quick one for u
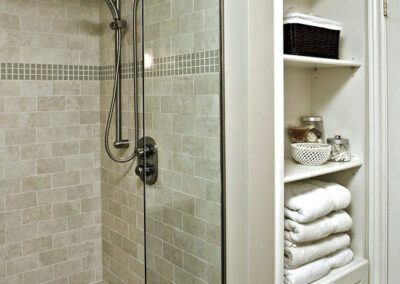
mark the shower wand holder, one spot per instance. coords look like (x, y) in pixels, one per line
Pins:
(122, 144)
(118, 25)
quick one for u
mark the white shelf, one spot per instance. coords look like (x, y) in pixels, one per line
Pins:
(354, 267)
(315, 62)
(295, 171)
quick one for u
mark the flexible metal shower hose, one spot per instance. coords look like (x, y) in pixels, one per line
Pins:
(115, 87)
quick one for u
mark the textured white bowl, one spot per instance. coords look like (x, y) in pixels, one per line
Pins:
(311, 154)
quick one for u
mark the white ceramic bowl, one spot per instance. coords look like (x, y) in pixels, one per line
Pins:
(311, 154)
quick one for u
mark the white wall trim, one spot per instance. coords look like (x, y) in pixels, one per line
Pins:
(252, 73)
(378, 189)
(279, 119)
(261, 94)
(236, 141)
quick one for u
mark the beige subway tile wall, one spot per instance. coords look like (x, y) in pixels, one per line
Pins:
(184, 206)
(182, 113)
(68, 214)
(50, 220)
(122, 191)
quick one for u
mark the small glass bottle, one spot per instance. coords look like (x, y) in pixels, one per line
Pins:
(340, 149)
(316, 133)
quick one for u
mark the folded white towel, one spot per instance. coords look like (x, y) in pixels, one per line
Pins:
(297, 255)
(317, 269)
(340, 195)
(335, 222)
(308, 201)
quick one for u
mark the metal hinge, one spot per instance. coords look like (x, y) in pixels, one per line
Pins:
(385, 8)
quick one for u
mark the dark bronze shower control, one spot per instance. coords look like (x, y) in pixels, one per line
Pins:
(146, 170)
(148, 150)
(147, 156)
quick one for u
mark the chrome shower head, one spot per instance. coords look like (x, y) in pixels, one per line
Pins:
(113, 9)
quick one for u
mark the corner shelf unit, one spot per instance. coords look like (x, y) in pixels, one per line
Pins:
(296, 172)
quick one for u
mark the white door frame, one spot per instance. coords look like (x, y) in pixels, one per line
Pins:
(378, 189)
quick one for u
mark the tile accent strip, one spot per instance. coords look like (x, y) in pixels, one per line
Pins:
(31, 71)
(183, 64)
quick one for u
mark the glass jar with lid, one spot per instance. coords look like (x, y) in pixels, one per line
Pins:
(316, 125)
(340, 149)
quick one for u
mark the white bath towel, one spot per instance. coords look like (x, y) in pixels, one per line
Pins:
(297, 255)
(308, 201)
(340, 195)
(335, 222)
(317, 269)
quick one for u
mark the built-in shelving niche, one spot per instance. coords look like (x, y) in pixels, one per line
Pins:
(335, 90)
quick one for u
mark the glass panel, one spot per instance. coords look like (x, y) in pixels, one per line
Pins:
(122, 190)
(180, 89)
(182, 106)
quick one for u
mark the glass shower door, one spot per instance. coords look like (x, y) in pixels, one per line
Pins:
(182, 103)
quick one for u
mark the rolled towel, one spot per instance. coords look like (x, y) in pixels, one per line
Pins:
(297, 255)
(308, 201)
(335, 222)
(315, 270)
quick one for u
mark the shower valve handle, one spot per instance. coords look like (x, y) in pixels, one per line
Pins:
(147, 150)
(146, 170)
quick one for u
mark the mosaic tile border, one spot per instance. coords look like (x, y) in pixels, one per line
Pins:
(31, 71)
(183, 64)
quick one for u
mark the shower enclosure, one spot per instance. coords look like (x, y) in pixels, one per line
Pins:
(161, 217)
(111, 142)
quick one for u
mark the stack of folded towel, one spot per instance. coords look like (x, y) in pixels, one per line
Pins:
(315, 226)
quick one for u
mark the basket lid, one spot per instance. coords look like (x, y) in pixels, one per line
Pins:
(299, 18)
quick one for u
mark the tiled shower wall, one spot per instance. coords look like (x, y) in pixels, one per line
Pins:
(51, 128)
(182, 107)
(50, 221)
(122, 197)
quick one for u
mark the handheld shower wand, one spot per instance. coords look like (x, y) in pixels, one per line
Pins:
(145, 148)
(113, 9)
(120, 143)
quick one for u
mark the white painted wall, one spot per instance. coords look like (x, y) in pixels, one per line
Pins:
(250, 141)
(393, 49)
(236, 135)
